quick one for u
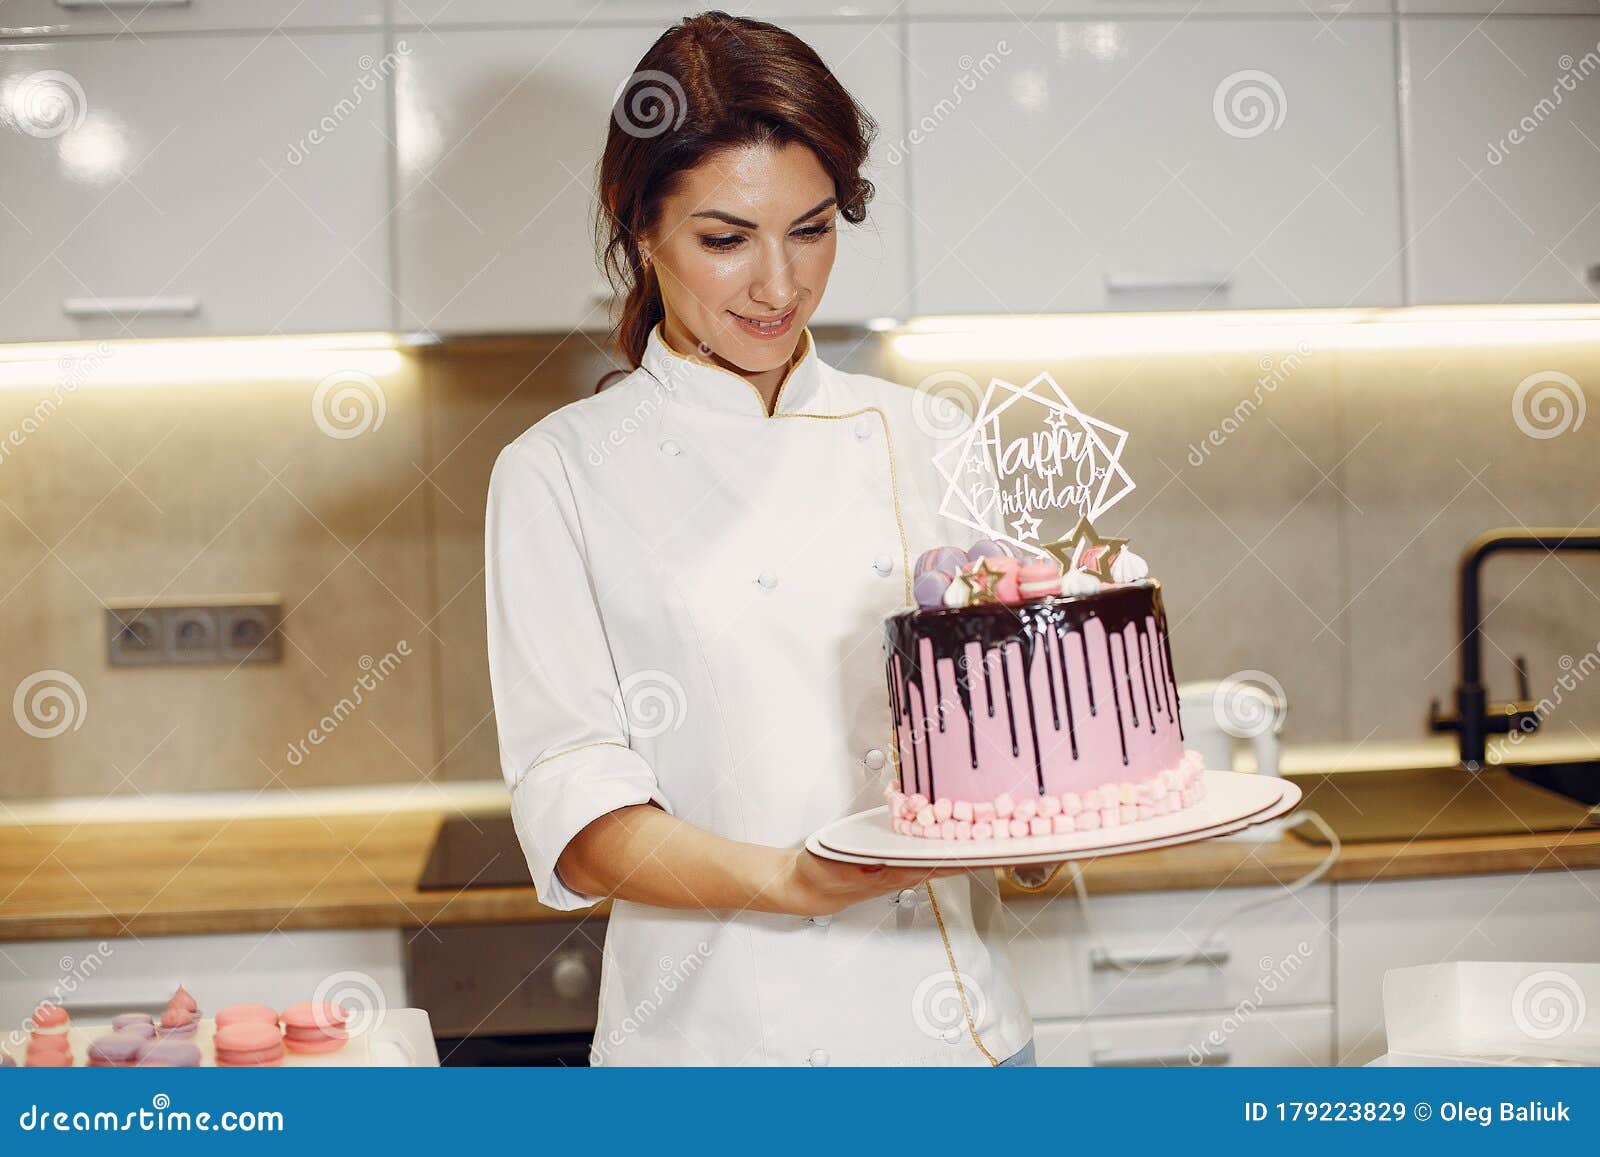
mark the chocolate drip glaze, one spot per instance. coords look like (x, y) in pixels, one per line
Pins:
(995, 627)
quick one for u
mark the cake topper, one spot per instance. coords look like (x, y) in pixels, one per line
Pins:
(1030, 461)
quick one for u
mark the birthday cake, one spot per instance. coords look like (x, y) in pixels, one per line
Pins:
(1034, 697)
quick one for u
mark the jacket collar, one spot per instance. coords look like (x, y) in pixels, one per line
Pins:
(696, 382)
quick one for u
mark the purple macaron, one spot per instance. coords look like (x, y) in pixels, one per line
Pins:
(123, 1019)
(118, 1050)
(170, 1054)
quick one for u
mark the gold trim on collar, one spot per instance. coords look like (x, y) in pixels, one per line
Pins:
(777, 399)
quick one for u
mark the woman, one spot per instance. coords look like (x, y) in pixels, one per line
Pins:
(687, 579)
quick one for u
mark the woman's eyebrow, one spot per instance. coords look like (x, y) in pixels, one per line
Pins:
(719, 215)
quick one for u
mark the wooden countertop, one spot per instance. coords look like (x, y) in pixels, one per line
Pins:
(359, 871)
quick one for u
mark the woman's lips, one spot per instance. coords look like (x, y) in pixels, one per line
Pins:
(775, 327)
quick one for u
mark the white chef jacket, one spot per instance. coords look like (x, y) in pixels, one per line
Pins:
(685, 605)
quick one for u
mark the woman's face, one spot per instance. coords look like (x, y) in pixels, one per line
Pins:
(743, 252)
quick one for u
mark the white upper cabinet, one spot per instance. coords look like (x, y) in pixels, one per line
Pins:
(70, 17)
(1503, 156)
(500, 134)
(178, 186)
(1150, 164)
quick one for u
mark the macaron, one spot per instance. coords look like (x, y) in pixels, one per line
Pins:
(6, 1061)
(39, 1043)
(116, 1050)
(168, 1054)
(50, 1019)
(247, 1014)
(315, 1027)
(138, 1030)
(930, 586)
(49, 1059)
(248, 1043)
(946, 558)
(1039, 579)
(123, 1019)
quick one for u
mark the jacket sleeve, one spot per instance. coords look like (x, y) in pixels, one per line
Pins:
(563, 740)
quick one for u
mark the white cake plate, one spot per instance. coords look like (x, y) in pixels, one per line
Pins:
(1233, 800)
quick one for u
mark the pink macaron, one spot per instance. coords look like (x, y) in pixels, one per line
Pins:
(315, 1027)
(50, 1020)
(247, 1014)
(248, 1043)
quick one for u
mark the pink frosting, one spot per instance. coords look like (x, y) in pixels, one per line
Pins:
(1112, 804)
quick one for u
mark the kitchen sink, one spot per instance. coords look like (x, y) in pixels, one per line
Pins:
(1439, 802)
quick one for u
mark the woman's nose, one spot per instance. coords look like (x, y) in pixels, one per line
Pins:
(775, 286)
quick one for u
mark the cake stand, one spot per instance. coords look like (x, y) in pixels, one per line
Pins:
(1233, 800)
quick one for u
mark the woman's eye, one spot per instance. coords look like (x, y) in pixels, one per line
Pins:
(719, 243)
(812, 232)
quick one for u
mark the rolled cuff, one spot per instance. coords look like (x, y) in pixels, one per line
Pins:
(561, 795)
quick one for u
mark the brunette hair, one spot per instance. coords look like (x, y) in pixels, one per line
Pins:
(713, 82)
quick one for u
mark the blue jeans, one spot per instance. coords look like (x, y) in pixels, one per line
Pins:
(1022, 1058)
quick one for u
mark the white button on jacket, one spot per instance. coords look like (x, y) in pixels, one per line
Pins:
(638, 652)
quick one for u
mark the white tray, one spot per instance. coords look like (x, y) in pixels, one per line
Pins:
(1233, 800)
(402, 1038)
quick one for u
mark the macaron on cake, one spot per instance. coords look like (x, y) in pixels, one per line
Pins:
(167, 1054)
(248, 1044)
(123, 1019)
(315, 1027)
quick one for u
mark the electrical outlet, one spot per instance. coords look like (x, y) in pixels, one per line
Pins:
(135, 637)
(233, 631)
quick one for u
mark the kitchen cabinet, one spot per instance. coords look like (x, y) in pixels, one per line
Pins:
(1503, 158)
(246, 192)
(96, 979)
(1117, 9)
(1292, 1037)
(1155, 163)
(1278, 954)
(500, 134)
(1382, 924)
(140, 17)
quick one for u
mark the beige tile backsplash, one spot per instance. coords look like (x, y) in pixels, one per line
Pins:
(1316, 542)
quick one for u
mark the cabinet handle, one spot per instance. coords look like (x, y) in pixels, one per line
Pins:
(114, 306)
(1101, 960)
(140, 4)
(1128, 1058)
(1593, 273)
(1144, 283)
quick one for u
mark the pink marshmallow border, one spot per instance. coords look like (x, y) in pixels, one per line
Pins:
(1005, 817)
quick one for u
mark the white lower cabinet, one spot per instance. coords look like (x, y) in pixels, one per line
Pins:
(96, 979)
(1290, 1036)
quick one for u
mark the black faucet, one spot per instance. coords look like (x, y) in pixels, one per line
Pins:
(1475, 717)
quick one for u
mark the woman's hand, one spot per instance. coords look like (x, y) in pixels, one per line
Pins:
(814, 886)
